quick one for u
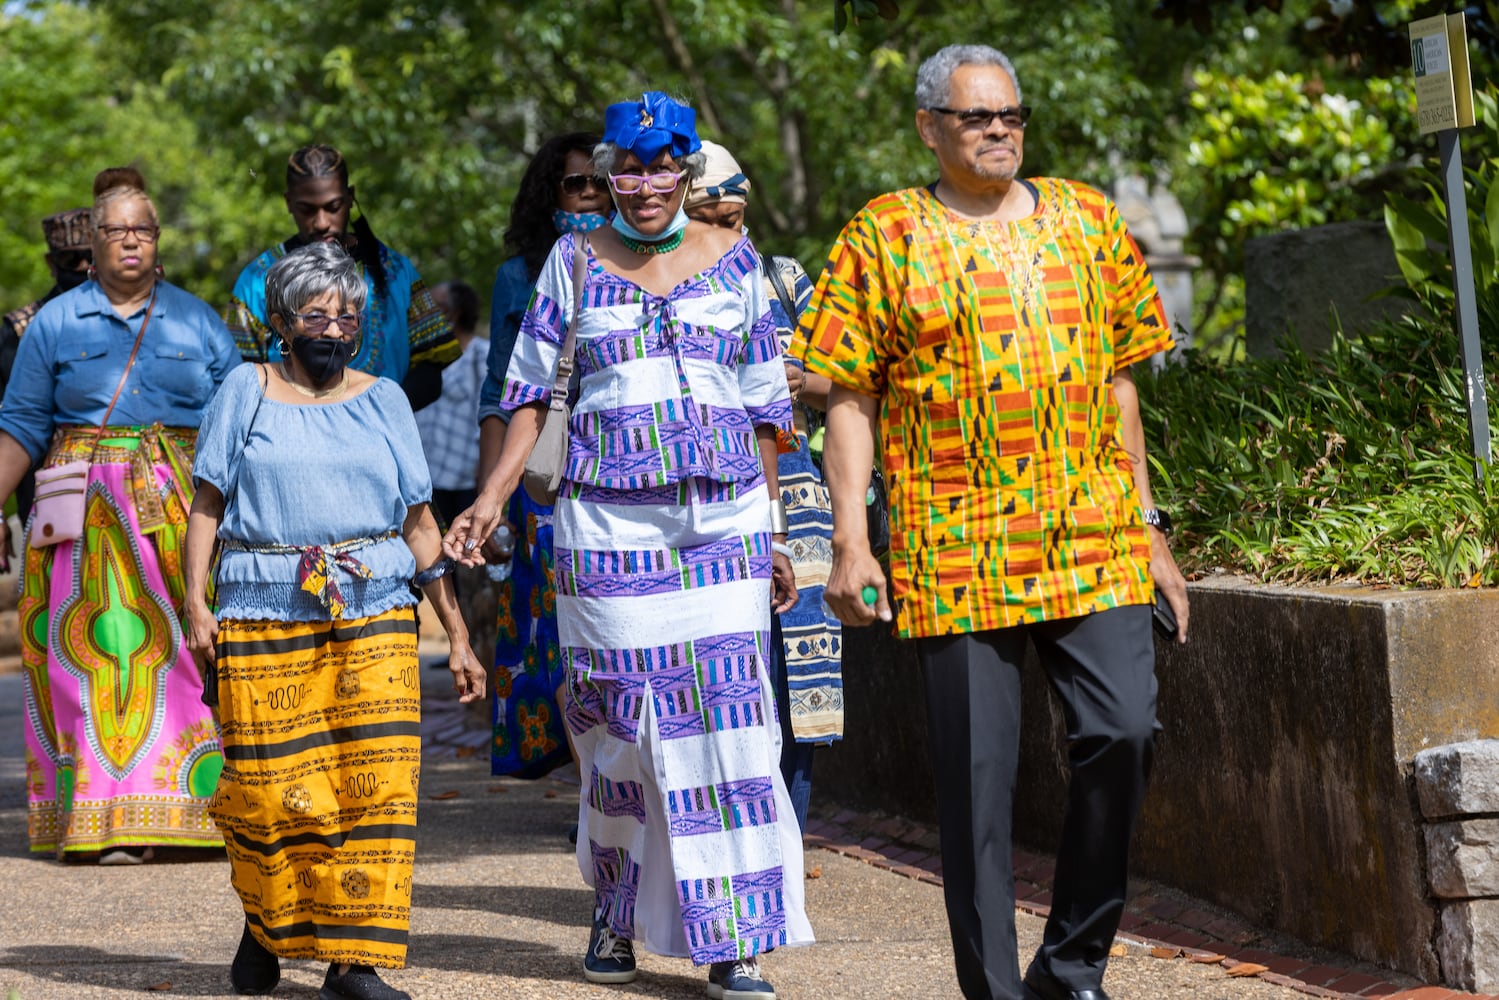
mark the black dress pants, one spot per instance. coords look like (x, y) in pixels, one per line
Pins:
(1102, 667)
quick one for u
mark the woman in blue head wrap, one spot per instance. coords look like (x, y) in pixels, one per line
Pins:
(669, 538)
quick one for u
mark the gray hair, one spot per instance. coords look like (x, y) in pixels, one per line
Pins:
(934, 78)
(607, 154)
(311, 272)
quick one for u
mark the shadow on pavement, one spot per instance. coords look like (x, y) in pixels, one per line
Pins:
(81, 966)
(515, 900)
(528, 960)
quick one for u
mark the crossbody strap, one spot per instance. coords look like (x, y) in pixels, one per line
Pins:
(768, 265)
(129, 364)
(570, 342)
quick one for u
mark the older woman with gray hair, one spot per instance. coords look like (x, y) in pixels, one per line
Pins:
(313, 480)
(670, 554)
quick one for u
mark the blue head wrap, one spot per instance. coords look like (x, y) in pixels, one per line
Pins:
(651, 124)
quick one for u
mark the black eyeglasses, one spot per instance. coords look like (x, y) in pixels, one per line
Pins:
(979, 118)
(316, 323)
(578, 183)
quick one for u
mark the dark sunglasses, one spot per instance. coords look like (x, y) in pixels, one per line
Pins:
(72, 260)
(977, 118)
(578, 183)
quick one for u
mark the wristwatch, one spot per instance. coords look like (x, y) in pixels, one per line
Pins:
(1158, 519)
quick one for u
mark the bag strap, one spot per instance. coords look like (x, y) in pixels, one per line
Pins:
(570, 342)
(129, 364)
(768, 265)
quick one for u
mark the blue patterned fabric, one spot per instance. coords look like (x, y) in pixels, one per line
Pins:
(529, 731)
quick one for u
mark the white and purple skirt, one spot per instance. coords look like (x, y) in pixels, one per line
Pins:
(686, 832)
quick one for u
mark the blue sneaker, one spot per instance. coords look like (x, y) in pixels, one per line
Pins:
(610, 959)
(739, 980)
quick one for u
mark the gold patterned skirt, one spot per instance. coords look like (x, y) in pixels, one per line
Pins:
(317, 802)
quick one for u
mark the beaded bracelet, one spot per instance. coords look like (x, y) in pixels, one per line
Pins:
(433, 573)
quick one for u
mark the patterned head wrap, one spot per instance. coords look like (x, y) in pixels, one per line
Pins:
(651, 124)
(722, 180)
(67, 230)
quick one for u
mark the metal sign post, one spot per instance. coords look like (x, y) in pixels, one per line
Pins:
(1444, 103)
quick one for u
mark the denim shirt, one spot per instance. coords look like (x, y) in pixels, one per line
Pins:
(513, 286)
(76, 349)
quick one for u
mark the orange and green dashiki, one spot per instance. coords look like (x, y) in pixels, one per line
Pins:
(992, 347)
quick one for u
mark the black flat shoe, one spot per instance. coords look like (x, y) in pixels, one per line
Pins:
(255, 970)
(1039, 985)
(359, 983)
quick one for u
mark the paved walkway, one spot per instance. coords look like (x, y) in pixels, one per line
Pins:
(500, 910)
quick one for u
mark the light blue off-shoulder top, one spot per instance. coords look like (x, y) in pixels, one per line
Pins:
(311, 474)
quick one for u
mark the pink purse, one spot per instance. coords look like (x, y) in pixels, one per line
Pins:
(57, 514)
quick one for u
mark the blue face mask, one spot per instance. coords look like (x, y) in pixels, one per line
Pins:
(678, 223)
(577, 222)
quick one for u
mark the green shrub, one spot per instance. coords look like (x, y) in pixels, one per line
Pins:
(1351, 465)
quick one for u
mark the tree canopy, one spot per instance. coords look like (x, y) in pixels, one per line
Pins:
(437, 105)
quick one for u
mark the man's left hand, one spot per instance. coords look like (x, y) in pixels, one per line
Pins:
(1169, 579)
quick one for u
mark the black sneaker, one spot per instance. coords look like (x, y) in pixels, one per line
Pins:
(359, 983)
(739, 980)
(254, 970)
(610, 959)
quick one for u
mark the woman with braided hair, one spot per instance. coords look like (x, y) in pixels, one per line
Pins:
(407, 338)
(108, 390)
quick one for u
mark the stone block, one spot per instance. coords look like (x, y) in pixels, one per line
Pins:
(1468, 945)
(1459, 779)
(1307, 282)
(1462, 858)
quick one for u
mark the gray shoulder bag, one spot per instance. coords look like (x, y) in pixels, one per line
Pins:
(548, 460)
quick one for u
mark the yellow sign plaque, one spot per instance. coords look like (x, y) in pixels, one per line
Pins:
(1444, 85)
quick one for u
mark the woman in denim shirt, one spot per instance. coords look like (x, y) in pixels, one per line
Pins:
(121, 754)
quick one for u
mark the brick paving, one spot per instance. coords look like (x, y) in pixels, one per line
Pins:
(1165, 927)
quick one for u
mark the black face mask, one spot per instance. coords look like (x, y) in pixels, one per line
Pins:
(323, 358)
(69, 280)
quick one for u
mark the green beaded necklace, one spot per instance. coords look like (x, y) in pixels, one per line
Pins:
(664, 246)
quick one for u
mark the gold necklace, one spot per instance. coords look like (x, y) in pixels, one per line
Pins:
(332, 393)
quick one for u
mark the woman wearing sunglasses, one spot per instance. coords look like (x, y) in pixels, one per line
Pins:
(558, 194)
(312, 477)
(670, 555)
(108, 390)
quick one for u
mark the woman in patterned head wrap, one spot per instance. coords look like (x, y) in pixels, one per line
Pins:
(666, 563)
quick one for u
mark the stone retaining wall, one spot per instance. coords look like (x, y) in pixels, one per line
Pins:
(1458, 788)
(1283, 785)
